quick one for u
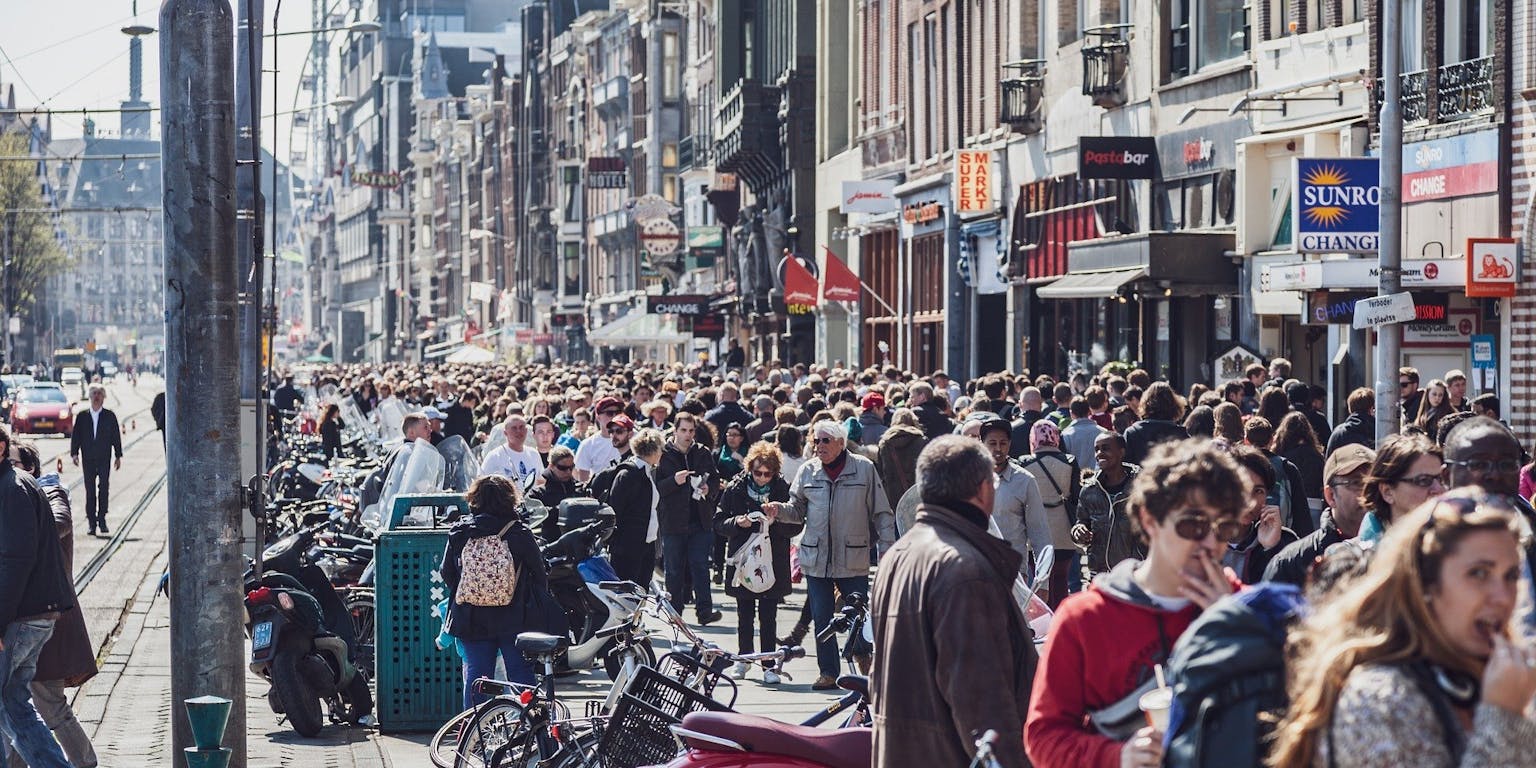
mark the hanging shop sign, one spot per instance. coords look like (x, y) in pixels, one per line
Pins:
(647, 208)
(376, 179)
(1116, 157)
(660, 237)
(1493, 267)
(607, 173)
(1337, 204)
(1338, 307)
(1231, 364)
(973, 181)
(1451, 167)
(869, 197)
(922, 213)
(677, 304)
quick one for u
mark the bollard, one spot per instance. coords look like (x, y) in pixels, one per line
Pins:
(208, 716)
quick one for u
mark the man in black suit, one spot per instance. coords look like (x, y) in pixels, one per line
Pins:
(97, 438)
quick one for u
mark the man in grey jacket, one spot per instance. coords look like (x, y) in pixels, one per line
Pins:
(1017, 499)
(838, 496)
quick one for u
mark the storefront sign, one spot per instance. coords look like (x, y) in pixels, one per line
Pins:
(607, 173)
(709, 326)
(1493, 266)
(1338, 308)
(660, 237)
(1116, 157)
(1455, 333)
(973, 181)
(922, 213)
(1362, 273)
(690, 305)
(1451, 167)
(1199, 152)
(1385, 310)
(869, 197)
(1337, 204)
(705, 238)
(528, 336)
(1483, 351)
(376, 179)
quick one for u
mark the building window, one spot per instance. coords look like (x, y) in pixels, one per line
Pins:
(669, 154)
(669, 187)
(1205, 32)
(671, 67)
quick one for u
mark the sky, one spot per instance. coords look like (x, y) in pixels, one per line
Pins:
(72, 54)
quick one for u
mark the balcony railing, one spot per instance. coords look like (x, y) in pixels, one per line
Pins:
(611, 94)
(1021, 96)
(1106, 54)
(1464, 88)
(694, 151)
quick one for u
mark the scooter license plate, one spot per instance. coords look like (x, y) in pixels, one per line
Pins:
(261, 637)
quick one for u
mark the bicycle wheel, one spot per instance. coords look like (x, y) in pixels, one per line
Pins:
(579, 752)
(444, 744)
(497, 736)
(360, 608)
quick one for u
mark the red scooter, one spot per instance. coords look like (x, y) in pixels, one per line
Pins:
(735, 740)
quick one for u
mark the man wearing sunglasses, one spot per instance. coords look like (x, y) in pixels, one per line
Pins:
(1344, 490)
(599, 451)
(558, 484)
(1481, 451)
(1408, 394)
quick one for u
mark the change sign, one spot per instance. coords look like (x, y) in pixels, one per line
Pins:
(1336, 204)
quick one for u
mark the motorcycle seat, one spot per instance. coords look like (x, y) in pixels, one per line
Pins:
(540, 644)
(858, 683)
(841, 748)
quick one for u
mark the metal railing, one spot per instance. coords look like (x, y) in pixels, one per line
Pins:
(1106, 54)
(1464, 88)
(1022, 94)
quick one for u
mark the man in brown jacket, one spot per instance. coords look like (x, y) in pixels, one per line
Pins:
(954, 656)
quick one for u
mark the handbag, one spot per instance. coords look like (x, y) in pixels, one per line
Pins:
(795, 574)
(754, 564)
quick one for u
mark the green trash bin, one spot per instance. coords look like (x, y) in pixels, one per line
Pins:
(419, 685)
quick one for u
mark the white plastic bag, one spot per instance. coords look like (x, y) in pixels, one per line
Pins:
(754, 564)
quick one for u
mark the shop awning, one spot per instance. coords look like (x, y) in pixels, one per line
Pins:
(1105, 284)
(637, 329)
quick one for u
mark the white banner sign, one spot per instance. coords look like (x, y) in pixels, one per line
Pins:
(869, 197)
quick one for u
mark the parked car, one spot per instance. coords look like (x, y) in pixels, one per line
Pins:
(42, 409)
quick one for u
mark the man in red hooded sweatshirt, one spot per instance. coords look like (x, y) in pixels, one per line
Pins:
(1104, 642)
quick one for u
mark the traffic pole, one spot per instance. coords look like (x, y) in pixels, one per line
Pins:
(202, 362)
(1389, 337)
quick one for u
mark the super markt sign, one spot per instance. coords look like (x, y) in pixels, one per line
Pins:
(1336, 204)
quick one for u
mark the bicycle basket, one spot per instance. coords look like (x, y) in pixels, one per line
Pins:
(685, 666)
(637, 734)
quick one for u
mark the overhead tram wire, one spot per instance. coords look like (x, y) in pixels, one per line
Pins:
(72, 38)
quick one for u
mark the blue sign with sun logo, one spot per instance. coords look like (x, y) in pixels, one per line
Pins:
(1336, 204)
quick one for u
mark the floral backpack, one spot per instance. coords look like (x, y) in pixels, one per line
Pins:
(487, 573)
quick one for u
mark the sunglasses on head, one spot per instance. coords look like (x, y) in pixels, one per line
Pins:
(1197, 527)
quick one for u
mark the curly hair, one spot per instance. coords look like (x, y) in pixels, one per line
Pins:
(1381, 617)
(1180, 469)
(765, 454)
(1161, 402)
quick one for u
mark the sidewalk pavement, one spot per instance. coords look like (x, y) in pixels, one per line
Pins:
(127, 707)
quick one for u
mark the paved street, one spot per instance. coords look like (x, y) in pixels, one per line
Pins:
(127, 708)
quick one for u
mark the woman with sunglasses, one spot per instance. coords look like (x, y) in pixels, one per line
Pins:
(1098, 660)
(741, 514)
(1407, 472)
(1414, 662)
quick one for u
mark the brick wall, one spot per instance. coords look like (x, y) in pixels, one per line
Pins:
(1519, 383)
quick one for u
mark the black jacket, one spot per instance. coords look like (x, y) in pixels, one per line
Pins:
(630, 498)
(1293, 563)
(1019, 446)
(92, 444)
(157, 411)
(550, 494)
(1299, 517)
(724, 414)
(678, 511)
(523, 614)
(933, 420)
(736, 501)
(330, 437)
(1354, 430)
(1318, 421)
(33, 579)
(1309, 463)
(460, 421)
(1146, 433)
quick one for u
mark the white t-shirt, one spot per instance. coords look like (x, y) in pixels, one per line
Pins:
(597, 454)
(518, 465)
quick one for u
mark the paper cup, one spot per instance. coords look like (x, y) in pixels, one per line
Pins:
(1156, 703)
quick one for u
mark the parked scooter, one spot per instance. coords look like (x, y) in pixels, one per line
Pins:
(736, 740)
(578, 570)
(301, 639)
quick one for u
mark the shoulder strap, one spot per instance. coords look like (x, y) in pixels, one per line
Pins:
(507, 527)
(1037, 459)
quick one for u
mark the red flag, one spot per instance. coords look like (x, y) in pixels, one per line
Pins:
(841, 285)
(799, 284)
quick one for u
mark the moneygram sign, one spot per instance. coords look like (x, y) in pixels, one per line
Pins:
(1336, 204)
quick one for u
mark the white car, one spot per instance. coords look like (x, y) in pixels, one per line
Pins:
(108, 371)
(71, 376)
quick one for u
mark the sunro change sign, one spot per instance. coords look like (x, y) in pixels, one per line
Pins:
(1336, 204)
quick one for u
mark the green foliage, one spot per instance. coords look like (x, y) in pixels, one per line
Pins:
(26, 235)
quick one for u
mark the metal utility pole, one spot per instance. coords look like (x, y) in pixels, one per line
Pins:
(5, 296)
(201, 311)
(1389, 337)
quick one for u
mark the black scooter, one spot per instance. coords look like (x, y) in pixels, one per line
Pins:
(302, 639)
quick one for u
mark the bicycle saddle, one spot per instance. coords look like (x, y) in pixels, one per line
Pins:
(842, 748)
(539, 644)
(857, 683)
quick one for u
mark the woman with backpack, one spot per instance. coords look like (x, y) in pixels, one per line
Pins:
(1104, 642)
(1414, 663)
(497, 586)
(734, 523)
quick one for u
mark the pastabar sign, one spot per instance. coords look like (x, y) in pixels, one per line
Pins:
(1336, 204)
(1116, 157)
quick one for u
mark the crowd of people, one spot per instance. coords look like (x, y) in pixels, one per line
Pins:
(1389, 574)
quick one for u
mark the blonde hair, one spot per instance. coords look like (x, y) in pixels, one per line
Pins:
(1381, 617)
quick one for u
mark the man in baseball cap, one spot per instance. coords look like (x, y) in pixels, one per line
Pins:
(872, 419)
(597, 452)
(1344, 490)
(436, 418)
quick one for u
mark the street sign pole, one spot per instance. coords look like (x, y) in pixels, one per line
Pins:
(1390, 243)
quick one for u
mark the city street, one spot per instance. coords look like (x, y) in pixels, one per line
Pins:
(127, 709)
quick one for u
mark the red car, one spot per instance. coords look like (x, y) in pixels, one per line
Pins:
(42, 410)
